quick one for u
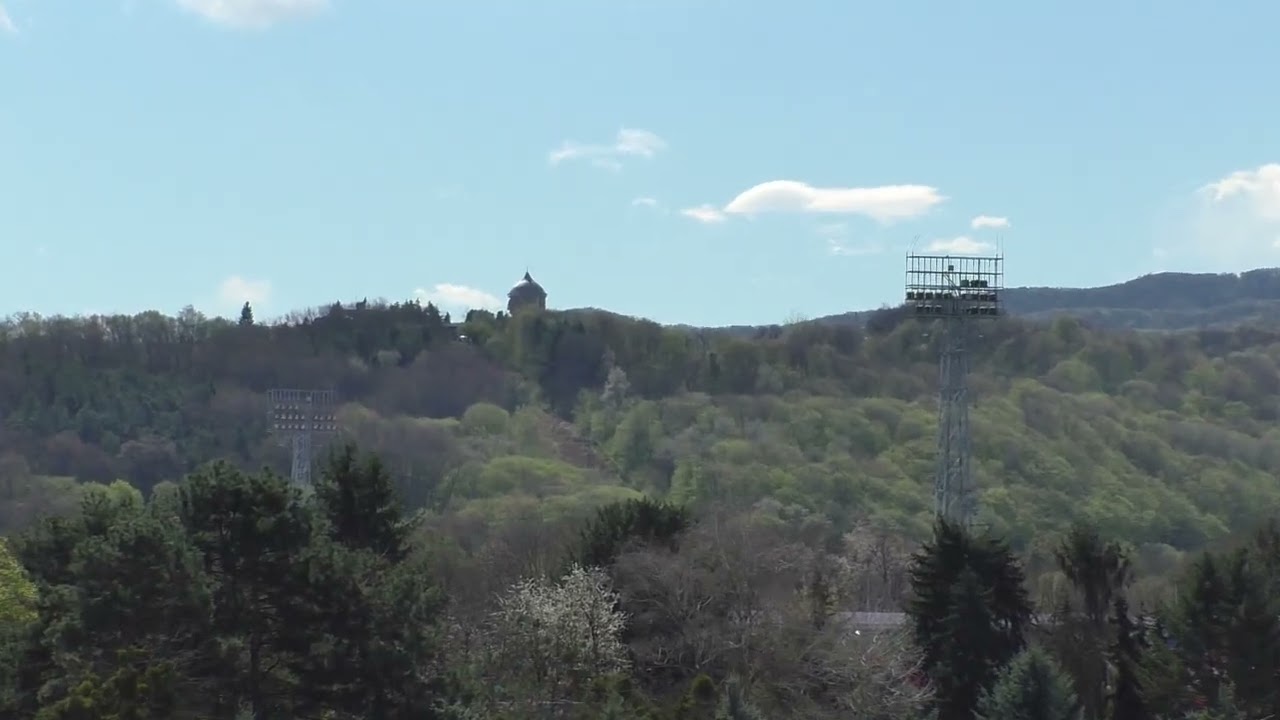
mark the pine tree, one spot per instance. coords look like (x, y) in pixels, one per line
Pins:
(1127, 702)
(1032, 687)
(617, 524)
(358, 498)
(969, 612)
(1166, 685)
(1252, 636)
(1098, 571)
(965, 667)
(246, 315)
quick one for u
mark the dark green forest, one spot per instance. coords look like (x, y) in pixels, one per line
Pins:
(582, 515)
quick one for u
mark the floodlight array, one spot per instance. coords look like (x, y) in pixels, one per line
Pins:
(944, 286)
(303, 411)
(296, 419)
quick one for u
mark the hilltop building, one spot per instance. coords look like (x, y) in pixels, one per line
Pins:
(526, 294)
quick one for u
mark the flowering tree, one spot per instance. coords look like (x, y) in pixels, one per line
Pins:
(553, 639)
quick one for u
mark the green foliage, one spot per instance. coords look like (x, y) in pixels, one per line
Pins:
(1032, 687)
(1230, 627)
(1098, 572)
(17, 594)
(791, 464)
(969, 611)
(618, 524)
(134, 691)
(1128, 701)
(1151, 438)
(226, 597)
(359, 501)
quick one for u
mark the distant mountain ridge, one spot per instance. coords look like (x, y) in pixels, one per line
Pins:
(1159, 301)
(1167, 301)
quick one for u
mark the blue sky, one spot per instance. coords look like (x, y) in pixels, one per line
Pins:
(697, 161)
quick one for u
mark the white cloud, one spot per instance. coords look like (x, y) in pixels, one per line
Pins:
(629, 143)
(1235, 218)
(448, 295)
(6, 22)
(252, 14)
(987, 221)
(644, 202)
(1257, 190)
(886, 203)
(958, 246)
(236, 290)
(845, 249)
(704, 214)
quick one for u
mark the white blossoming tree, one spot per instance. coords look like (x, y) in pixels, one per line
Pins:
(553, 639)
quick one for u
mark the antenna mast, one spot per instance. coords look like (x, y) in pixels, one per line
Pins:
(958, 292)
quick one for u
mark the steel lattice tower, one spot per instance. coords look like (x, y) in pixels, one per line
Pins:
(957, 292)
(299, 417)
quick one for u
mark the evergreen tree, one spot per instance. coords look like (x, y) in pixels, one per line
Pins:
(1252, 636)
(1127, 702)
(1229, 628)
(969, 611)
(1203, 614)
(616, 524)
(1031, 687)
(246, 315)
(358, 498)
(253, 534)
(1165, 681)
(965, 666)
(1098, 571)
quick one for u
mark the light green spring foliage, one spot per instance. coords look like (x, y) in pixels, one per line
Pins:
(17, 594)
(1031, 687)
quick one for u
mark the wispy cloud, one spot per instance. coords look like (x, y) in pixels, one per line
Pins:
(884, 204)
(644, 202)
(253, 14)
(237, 290)
(704, 214)
(840, 244)
(6, 22)
(959, 245)
(630, 143)
(988, 221)
(458, 297)
(1236, 217)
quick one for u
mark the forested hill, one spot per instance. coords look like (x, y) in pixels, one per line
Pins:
(1166, 440)
(1162, 301)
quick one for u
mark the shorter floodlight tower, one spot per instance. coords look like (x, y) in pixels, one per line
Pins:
(958, 292)
(300, 417)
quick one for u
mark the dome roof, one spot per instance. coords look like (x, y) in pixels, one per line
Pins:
(527, 288)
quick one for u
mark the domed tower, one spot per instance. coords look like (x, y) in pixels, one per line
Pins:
(526, 294)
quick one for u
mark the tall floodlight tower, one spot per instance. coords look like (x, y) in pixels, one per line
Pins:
(958, 293)
(301, 417)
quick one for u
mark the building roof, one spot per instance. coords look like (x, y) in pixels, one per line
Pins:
(527, 288)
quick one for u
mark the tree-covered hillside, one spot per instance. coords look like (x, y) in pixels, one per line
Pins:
(538, 576)
(1167, 441)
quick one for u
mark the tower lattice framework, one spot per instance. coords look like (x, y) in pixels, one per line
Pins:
(958, 293)
(954, 495)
